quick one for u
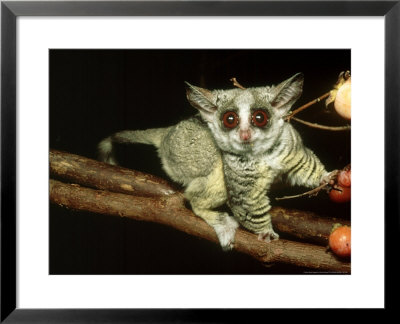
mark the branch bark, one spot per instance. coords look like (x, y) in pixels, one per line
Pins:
(170, 210)
(303, 225)
(94, 174)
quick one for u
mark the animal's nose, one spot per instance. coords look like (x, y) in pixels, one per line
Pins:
(245, 134)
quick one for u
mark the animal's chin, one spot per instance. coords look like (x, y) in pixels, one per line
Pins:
(246, 143)
(238, 146)
(245, 146)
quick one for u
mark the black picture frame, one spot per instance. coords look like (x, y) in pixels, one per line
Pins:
(10, 10)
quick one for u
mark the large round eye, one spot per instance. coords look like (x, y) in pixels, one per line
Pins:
(230, 119)
(259, 118)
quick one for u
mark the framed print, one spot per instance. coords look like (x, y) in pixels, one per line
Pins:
(85, 86)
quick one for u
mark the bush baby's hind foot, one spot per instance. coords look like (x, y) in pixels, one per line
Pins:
(226, 231)
(268, 235)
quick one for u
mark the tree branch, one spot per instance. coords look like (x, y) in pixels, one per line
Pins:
(303, 225)
(95, 174)
(170, 210)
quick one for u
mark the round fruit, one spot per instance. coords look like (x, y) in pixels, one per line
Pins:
(340, 194)
(344, 178)
(343, 100)
(340, 241)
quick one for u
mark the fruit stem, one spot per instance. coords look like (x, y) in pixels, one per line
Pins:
(294, 112)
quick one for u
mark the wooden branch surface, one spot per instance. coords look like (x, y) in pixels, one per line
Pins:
(170, 210)
(90, 173)
(304, 225)
(95, 174)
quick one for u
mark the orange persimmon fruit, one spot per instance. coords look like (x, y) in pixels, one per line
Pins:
(340, 241)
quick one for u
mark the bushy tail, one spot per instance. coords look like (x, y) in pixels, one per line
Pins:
(149, 136)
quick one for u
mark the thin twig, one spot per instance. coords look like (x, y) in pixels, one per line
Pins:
(237, 84)
(309, 193)
(296, 111)
(331, 128)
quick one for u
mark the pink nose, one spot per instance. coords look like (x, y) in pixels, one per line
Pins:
(245, 134)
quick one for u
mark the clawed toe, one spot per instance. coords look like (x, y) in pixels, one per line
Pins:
(330, 178)
(268, 235)
(226, 231)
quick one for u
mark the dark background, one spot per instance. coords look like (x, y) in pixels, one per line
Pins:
(94, 93)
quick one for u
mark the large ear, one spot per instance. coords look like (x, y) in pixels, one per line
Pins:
(201, 99)
(285, 94)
